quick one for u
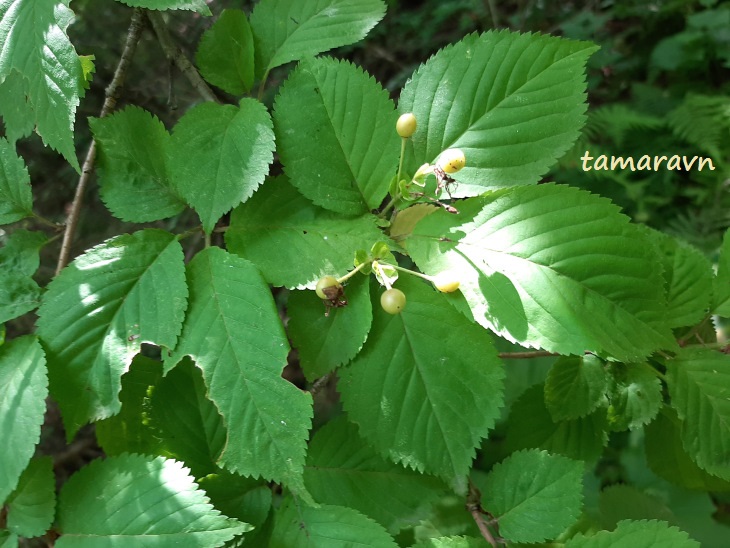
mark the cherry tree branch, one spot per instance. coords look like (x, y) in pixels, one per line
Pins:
(110, 102)
(474, 505)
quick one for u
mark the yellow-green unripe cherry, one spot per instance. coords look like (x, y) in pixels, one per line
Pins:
(393, 301)
(406, 125)
(446, 282)
(324, 283)
(452, 160)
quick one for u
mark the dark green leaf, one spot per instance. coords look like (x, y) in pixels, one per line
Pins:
(18, 294)
(575, 387)
(620, 502)
(242, 498)
(16, 200)
(636, 534)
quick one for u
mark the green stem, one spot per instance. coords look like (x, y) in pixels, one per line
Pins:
(400, 162)
(262, 85)
(657, 372)
(207, 240)
(414, 273)
(352, 273)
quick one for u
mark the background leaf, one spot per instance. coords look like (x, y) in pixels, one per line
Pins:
(550, 266)
(699, 386)
(33, 34)
(637, 534)
(575, 386)
(514, 103)
(343, 470)
(219, 155)
(234, 334)
(135, 185)
(225, 53)
(150, 500)
(18, 294)
(287, 30)
(292, 241)
(619, 502)
(335, 126)
(23, 377)
(31, 507)
(100, 309)
(635, 396)
(418, 393)
(300, 526)
(326, 342)
(534, 495)
(16, 200)
(721, 282)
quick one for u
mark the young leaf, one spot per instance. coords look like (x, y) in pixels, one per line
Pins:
(16, 200)
(20, 252)
(188, 423)
(667, 458)
(300, 526)
(514, 103)
(233, 332)
(225, 53)
(418, 393)
(31, 507)
(530, 426)
(147, 500)
(287, 30)
(278, 224)
(721, 282)
(699, 386)
(129, 431)
(575, 387)
(33, 34)
(635, 396)
(637, 534)
(219, 155)
(97, 313)
(192, 5)
(343, 470)
(23, 376)
(335, 126)
(534, 495)
(551, 266)
(135, 185)
(327, 342)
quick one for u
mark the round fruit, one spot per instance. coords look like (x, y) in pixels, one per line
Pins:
(452, 160)
(324, 283)
(393, 301)
(406, 125)
(446, 282)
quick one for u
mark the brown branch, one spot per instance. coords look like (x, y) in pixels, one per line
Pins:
(533, 354)
(176, 55)
(474, 505)
(112, 95)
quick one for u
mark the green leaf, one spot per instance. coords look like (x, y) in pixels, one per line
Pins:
(300, 526)
(325, 342)
(514, 103)
(620, 502)
(219, 155)
(99, 310)
(343, 470)
(135, 185)
(288, 30)
(234, 334)
(129, 430)
(530, 426)
(8, 539)
(699, 386)
(20, 252)
(33, 34)
(575, 387)
(16, 200)
(147, 501)
(192, 5)
(635, 396)
(452, 542)
(419, 394)
(225, 53)
(23, 376)
(242, 498)
(18, 294)
(18, 115)
(31, 507)
(667, 458)
(188, 423)
(534, 495)
(721, 282)
(278, 225)
(335, 126)
(637, 534)
(551, 266)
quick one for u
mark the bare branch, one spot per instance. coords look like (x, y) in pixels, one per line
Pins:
(473, 504)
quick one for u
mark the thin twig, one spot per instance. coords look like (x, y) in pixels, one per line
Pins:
(522, 355)
(112, 95)
(474, 505)
(176, 55)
